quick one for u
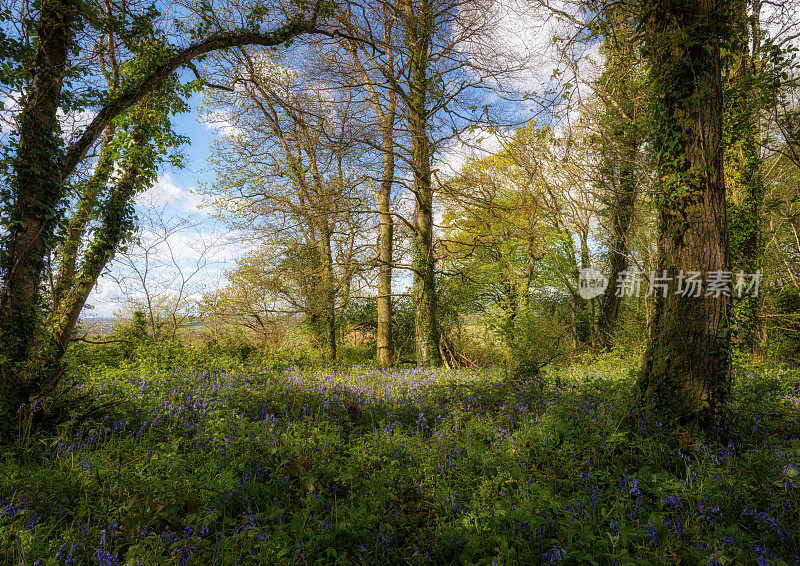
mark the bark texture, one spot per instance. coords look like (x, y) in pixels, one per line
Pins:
(685, 376)
(418, 24)
(37, 189)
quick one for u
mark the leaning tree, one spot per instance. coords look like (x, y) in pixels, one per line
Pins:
(51, 66)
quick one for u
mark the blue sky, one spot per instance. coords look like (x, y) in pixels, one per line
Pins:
(201, 136)
(175, 195)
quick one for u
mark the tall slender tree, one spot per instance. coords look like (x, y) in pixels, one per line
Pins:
(294, 173)
(619, 91)
(743, 167)
(374, 65)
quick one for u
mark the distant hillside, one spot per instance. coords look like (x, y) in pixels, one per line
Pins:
(98, 325)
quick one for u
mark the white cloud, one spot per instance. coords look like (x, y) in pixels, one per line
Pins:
(72, 123)
(476, 144)
(8, 115)
(219, 121)
(536, 40)
(165, 192)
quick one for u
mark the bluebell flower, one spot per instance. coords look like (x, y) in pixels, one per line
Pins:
(104, 557)
(651, 530)
(554, 555)
(612, 526)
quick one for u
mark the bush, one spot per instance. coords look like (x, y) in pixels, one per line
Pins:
(540, 336)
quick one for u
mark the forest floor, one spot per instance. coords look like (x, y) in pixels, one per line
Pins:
(355, 465)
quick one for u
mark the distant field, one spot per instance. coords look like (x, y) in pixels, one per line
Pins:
(102, 326)
(97, 326)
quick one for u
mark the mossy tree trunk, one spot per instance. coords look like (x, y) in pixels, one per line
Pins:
(743, 172)
(373, 72)
(685, 377)
(37, 193)
(328, 293)
(42, 166)
(418, 24)
(116, 220)
(385, 245)
(89, 192)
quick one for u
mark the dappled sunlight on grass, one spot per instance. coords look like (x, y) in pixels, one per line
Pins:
(357, 465)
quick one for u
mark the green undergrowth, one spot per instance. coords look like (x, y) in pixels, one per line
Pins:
(353, 465)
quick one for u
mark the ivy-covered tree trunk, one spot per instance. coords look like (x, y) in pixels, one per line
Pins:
(115, 225)
(425, 321)
(89, 194)
(685, 377)
(418, 22)
(37, 191)
(621, 212)
(328, 293)
(743, 173)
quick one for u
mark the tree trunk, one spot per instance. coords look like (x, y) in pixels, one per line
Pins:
(743, 168)
(328, 293)
(385, 244)
(574, 331)
(89, 194)
(622, 206)
(685, 377)
(37, 191)
(116, 220)
(419, 28)
(425, 323)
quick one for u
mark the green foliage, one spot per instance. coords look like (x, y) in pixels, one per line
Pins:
(403, 327)
(355, 465)
(233, 343)
(784, 341)
(539, 336)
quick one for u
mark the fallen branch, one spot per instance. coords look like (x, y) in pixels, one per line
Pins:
(87, 340)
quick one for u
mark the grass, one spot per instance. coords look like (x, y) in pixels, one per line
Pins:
(358, 466)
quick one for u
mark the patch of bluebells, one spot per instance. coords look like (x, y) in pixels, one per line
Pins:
(554, 555)
(763, 519)
(213, 415)
(104, 557)
(651, 530)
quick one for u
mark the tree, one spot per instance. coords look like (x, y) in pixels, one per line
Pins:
(250, 298)
(159, 271)
(378, 72)
(522, 213)
(448, 60)
(619, 139)
(306, 192)
(38, 186)
(744, 104)
(495, 234)
(685, 377)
